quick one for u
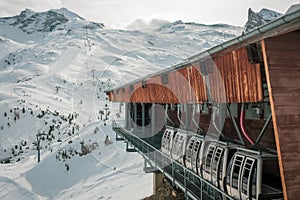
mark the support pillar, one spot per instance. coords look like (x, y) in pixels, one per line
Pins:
(187, 116)
(222, 115)
(153, 122)
(120, 107)
(166, 113)
(130, 147)
(127, 116)
(143, 120)
(158, 181)
(135, 115)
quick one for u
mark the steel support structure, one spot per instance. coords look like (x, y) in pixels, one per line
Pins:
(188, 181)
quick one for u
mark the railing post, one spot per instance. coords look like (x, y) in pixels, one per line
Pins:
(154, 158)
(184, 182)
(201, 189)
(162, 160)
(163, 164)
(173, 179)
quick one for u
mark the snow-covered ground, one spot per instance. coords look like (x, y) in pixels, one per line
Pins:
(108, 172)
(54, 67)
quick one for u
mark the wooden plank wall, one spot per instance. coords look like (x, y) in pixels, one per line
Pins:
(231, 78)
(241, 80)
(282, 63)
(198, 85)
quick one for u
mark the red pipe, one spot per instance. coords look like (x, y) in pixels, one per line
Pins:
(242, 126)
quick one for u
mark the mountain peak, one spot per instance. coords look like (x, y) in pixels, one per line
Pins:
(177, 22)
(293, 8)
(176, 26)
(67, 13)
(262, 17)
(27, 12)
(30, 21)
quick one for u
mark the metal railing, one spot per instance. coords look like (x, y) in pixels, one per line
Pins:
(189, 182)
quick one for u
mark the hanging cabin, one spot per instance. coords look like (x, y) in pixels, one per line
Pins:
(245, 92)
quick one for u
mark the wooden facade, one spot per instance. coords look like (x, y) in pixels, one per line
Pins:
(282, 64)
(224, 78)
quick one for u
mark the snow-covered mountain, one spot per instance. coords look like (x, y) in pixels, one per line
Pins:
(54, 67)
(262, 17)
(293, 8)
(59, 49)
(30, 22)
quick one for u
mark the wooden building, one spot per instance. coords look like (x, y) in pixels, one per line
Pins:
(260, 69)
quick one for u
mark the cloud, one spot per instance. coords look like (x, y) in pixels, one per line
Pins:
(141, 23)
(14, 7)
(119, 12)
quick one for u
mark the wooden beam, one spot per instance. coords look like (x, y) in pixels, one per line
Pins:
(277, 140)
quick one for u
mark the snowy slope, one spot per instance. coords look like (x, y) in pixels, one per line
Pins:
(107, 173)
(12, 190)
(54, 67)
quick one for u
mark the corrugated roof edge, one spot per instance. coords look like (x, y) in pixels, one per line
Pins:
(284, 19)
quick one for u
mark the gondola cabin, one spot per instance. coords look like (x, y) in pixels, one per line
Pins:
(193, 153)
(253, 175)
(167, 140)
(215, 162)
(179, 145)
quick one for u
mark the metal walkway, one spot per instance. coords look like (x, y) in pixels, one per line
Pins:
(190, 183)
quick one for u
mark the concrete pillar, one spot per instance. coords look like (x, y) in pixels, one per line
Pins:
(166, 117)
(187, 116)
(143, 120)
(158, 181)
(135, 115)
(153, 119)
(127, 115)
(222, 115)
(120, 107)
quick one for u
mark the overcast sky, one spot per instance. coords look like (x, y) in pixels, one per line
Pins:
(119, 13)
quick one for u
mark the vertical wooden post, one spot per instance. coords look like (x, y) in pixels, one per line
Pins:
(274, 121)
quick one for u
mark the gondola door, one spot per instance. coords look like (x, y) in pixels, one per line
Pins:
(248, 180)
(217, 162)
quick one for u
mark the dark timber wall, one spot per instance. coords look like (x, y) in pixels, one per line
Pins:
(282, 64)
